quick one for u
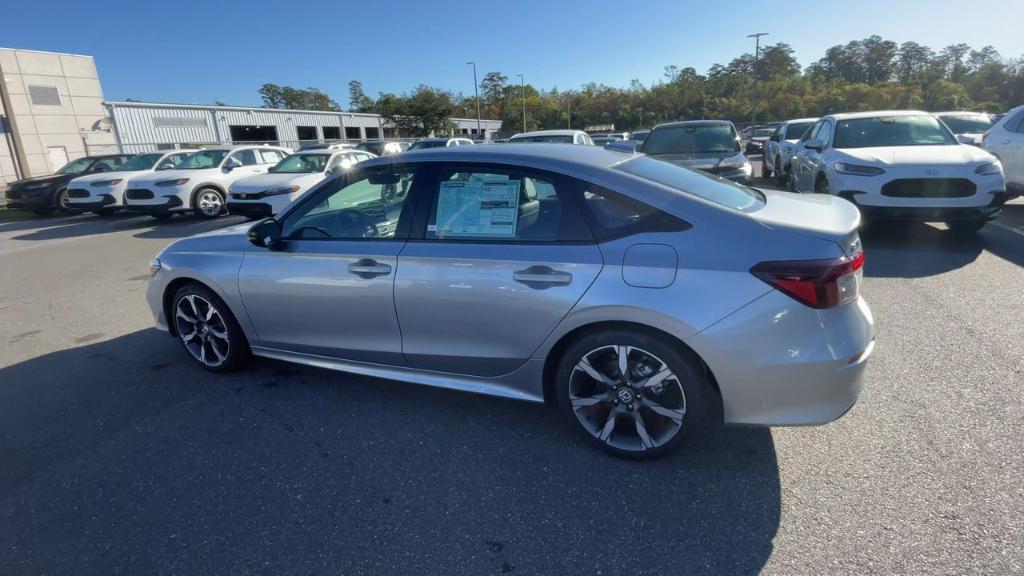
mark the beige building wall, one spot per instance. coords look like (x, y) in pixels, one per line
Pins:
(57, 105)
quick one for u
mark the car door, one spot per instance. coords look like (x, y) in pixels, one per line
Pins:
(244, 163)
(498, 257)
(330, 290)
(1010, 146)
(802, 162)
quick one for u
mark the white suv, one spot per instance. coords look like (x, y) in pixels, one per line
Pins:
(201, 182)
(900, 165)
(1006, 141)
(781, 146)
(268, 194)
(103, 193)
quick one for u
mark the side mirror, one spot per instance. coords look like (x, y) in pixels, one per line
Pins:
(814, 145)
(965, 139)
(266, 234)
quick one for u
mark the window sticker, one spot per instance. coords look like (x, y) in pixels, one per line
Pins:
(481, 208)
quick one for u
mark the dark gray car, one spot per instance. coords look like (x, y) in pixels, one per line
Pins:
(712, 146)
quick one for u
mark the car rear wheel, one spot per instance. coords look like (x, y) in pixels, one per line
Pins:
(207, 329)
(966, 226)
(209, 203)
(631, 394)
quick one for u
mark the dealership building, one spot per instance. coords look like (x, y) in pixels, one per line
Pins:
(52, 110)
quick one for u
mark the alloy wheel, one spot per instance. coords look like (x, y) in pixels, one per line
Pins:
(202, 330)
(627, 397)
(210, 203)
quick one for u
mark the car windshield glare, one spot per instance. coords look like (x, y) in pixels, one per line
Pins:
(712, 188)
(691, 139)
(141, 162)
(550, 138)
(968, 123)
(76, 166)
(882, 131)
(796, 130)
(301, 164)
(204, 159)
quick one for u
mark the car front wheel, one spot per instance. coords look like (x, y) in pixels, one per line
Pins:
(207, 329)
(63, 204)
(209, 203)
(631, 394)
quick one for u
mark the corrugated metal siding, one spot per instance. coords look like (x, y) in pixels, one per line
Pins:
(140, 125)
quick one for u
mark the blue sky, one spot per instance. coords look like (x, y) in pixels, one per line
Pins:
(197, 52)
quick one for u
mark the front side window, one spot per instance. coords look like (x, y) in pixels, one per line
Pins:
(243, 158)
(692, 139)
(365, 206)
(797, 129)
(174, 161)
(503, 205)
(824, 134)
(204, 159)
(302, 164)
(141, 162)
(714, 189)
(910, 130)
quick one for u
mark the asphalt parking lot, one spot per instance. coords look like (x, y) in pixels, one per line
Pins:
(118, 456)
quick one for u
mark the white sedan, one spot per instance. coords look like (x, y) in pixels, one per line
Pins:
(103, 193)
(900, 165)
(268, 194)
(1006, 141)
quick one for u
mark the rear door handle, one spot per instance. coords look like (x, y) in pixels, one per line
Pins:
(368, 267)
(541, 275)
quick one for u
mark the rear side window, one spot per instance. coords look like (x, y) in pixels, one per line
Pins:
(502, 205)
(613, 215)
(271, 156)
(711, 188)
(246, 157)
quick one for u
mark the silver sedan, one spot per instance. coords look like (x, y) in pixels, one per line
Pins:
(647, 301)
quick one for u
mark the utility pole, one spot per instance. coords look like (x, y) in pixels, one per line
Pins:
(753, 106)
(568, 106)
(522, 83)
(476, 93)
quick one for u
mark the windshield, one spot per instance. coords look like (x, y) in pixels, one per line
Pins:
(763, 132)
(553, 138)
(639, 135)
(302, 164)
(141, 162)
(375, 147)
(424, 144)
(204, 159)
(795, 130)
(968, 123)
(76, 166)
(717, 190)
(691, 139)
(918, 130)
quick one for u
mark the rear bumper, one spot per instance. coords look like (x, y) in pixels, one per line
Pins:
(779, 363)
(988, 211)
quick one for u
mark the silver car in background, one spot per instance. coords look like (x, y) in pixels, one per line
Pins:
(647, 301)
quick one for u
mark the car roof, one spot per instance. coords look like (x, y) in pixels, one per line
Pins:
(693, 123)
(570, 156)
(877, 113)
(562, 132)
(960, 113)
(796, 120)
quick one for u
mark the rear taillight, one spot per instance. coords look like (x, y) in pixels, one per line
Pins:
(816, 283)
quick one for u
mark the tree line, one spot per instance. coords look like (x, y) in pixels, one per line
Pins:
(868, 74)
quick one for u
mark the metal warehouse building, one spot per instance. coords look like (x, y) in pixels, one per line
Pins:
(144, 126)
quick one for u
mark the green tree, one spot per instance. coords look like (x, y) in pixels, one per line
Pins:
(275, 96)
(358, 101)
(426, 110)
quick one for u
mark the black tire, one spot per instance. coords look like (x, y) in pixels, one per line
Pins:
(699, 404)
(966, 226)
(791, 180)
(234, 347)
(162, 216)
(821, 184)
(204, 205)
(60, 200)
(781, 177)
(766, 172)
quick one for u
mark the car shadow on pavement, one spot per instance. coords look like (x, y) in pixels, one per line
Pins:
(915, 250)
(177, 227)
(182, 226)
(121, 456)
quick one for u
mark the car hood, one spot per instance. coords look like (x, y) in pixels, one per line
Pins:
(696, 161)
(230, 239)
(957, 155)
(53, 178)
(104, 176)
(153, 177)
(261, 182)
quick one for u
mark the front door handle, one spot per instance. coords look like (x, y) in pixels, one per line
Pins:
(368, 267)
(541, 275)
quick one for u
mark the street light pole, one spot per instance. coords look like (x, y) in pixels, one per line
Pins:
(568, 106)
(522, 84)
(753, 106)
(476, 92)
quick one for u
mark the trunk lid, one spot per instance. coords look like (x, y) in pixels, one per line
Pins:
(815, 215)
